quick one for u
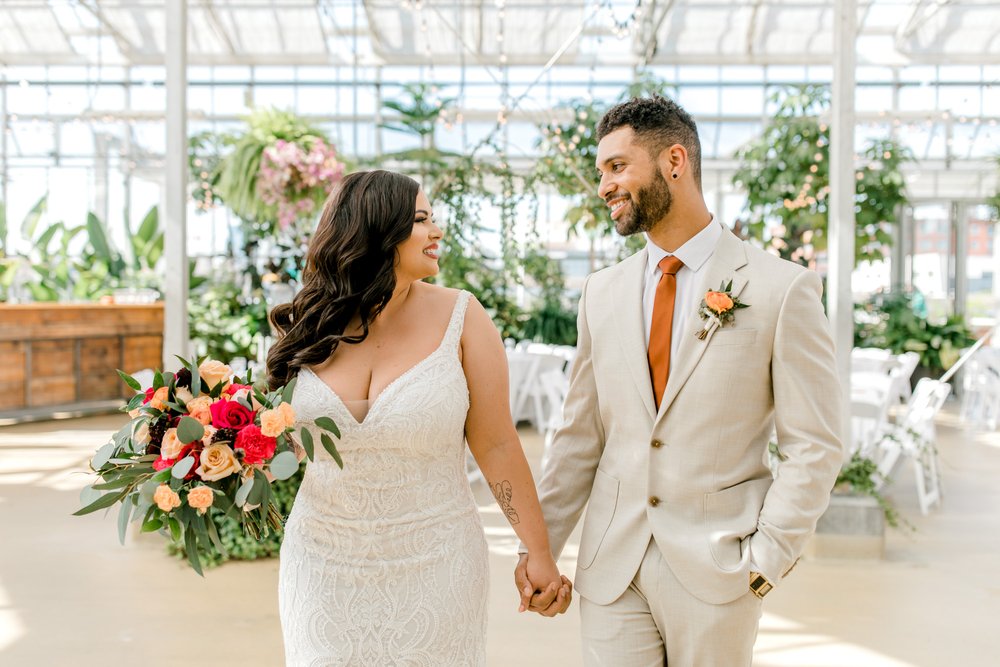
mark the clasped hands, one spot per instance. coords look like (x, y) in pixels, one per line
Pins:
(540, 586)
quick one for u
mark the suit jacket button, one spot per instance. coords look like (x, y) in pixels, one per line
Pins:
(656, 444)
(654, 501)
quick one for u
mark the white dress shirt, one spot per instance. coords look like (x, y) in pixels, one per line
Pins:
(695, 254)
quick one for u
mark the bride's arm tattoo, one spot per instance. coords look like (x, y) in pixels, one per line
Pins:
(503, 493)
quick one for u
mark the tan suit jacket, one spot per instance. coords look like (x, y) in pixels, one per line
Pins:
(715, 499)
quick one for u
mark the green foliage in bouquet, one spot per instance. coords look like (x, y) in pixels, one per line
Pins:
(891, 321)
(785, 173)
(237, 543)
(200, 446)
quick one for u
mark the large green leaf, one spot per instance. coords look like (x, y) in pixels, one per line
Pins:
(189, 429)
(99, 239)
(332, 449)
(284, 464)
(30, 221)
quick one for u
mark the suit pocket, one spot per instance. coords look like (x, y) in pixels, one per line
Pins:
(731, 517)
(600, 512)
(734, 337)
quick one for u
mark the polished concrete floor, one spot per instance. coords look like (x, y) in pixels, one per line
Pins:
(71, 595)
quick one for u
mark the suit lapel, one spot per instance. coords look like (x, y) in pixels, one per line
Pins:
(729, 256)
(627, 291)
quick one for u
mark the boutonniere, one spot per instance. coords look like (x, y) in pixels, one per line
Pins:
(718, 308)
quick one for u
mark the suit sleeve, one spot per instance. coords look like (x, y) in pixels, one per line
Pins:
(808, 406)
(577, 446)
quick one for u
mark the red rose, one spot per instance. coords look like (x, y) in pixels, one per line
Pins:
(256, 446)
(162, 463)
(149, 395)
(230, 414)
(233, 388)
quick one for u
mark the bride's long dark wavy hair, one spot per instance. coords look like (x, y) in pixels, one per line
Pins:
(349, 270)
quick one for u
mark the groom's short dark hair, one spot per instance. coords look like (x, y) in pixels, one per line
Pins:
(658, 123)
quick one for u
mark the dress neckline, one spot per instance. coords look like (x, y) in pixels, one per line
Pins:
(374, 403)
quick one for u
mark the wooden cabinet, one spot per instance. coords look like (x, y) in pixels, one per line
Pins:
(62, 357)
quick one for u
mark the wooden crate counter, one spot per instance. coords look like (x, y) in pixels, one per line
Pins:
(61, 355)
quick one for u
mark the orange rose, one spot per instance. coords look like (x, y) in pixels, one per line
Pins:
(159, 398)
(166, 498)
(201, 498)
(718, 302)
(287, 413)
(199, 408)
(272, 423)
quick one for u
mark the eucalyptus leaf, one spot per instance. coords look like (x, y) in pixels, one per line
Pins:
(213, 534)
(88, 495)
(243, 492)
(129, 380)
(307, 442)
(328, 424)
(151, 525)
(284, 464)
(286, 393)
(332, 449)
(189, 429)
(191, 547)
(182, 467)
(107, 500)
(259, 490)
(102, 456)
(123, 516)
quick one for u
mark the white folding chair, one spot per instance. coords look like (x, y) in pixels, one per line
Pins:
(981, 389)
(914, 436)
(906, 363)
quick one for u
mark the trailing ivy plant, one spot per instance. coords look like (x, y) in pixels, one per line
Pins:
(860, 476)
(785, 173)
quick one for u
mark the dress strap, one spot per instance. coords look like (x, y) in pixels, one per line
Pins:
(457, 322)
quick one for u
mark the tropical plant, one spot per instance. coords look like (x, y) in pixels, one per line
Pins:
(234, 180)
(785, 173)
(891, 321)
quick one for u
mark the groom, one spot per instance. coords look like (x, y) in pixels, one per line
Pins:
(669, 415)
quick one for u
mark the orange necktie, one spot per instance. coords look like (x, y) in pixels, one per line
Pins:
(659, 330)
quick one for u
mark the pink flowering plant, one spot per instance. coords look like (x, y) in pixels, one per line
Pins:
(296, 177)
(200, 440)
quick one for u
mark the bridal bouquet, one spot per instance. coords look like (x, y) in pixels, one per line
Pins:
(196, 440)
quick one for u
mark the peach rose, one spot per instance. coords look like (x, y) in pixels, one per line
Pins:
(287, 413)
(217, 461)
(140, 435)
(718, 302)
(201, 498)
(272, 424)
(171, 446)
(199, 408)
(159, 398)
(166, 498)
(213, 372)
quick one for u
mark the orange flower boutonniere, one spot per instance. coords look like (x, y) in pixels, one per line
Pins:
(718, 308)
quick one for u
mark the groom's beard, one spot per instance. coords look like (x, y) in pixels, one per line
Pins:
(650, 205)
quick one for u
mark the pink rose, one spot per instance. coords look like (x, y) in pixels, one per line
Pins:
(230, 414)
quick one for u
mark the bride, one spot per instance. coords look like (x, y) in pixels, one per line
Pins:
(384, 562)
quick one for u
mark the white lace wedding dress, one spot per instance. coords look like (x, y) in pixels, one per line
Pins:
(385, 562)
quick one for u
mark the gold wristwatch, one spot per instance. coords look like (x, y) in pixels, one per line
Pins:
(759, 584)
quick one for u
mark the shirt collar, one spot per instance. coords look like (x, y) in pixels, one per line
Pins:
(694, 253)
